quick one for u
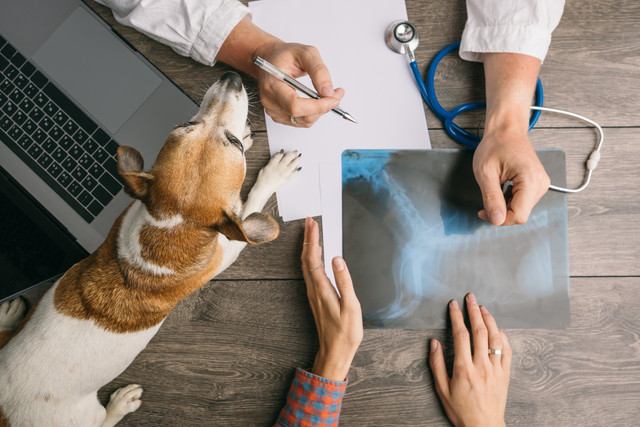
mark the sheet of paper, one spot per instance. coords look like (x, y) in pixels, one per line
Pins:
(380, 94)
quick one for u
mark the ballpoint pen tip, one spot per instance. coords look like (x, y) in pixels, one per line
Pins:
(350, 118)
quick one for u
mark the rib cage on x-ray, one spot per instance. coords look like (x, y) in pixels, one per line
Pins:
(413, 241)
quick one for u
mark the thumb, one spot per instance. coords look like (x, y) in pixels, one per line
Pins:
(493, 201)
(343, 282)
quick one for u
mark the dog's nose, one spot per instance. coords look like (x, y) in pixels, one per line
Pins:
(232, 79)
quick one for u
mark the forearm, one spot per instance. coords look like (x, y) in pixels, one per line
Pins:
(239, 48)
(510, 81)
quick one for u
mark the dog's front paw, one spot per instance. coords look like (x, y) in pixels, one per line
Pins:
(11, 313)
(281, 167)
(123, 401)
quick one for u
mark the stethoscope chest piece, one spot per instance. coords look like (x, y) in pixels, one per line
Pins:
(402, 37)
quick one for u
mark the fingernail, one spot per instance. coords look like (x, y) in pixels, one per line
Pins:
(495, 217)
(434, 345)
(453, 304)
(484, 309)
(326, 90)
(471, 298)
(338, 263)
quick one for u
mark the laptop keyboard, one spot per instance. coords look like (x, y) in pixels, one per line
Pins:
(58, 141)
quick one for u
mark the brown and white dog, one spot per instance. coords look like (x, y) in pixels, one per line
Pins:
(186, 225)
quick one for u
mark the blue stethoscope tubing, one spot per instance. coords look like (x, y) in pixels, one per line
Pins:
(427, 89)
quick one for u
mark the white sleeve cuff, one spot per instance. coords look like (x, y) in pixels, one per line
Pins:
(216, 27)
(528, 40)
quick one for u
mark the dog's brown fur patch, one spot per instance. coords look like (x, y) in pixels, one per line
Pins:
(121, 298)
(5, 336)
(4, 422)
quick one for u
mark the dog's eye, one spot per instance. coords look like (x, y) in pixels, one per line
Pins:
(186, 124)
(234, 141)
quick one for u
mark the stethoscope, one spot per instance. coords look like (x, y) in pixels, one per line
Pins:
(402, 37)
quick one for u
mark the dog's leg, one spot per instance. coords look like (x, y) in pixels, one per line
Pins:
(11, 314)
(278, 171)
(123, 401)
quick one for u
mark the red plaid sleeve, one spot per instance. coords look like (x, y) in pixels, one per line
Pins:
(313, 401)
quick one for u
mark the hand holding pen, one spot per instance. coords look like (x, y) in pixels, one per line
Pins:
(284, 105)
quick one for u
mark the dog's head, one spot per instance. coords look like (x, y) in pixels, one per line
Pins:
(200, 169)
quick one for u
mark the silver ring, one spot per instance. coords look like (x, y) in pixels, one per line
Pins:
(293, 120)
(495, 351)
(306, 243)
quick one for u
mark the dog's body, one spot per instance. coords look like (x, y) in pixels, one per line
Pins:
(187, 225)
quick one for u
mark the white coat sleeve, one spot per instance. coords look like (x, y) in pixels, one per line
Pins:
(516, 26)
(193, 28)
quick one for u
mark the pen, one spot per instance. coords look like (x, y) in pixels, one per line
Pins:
(271, 69)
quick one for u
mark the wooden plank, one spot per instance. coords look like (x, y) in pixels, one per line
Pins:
(604, 220)
(593, 66)
(226, 357)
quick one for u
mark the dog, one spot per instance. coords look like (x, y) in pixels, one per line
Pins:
(187, 224)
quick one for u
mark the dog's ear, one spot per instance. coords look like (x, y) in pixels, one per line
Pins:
(130, 165)
(255, 229)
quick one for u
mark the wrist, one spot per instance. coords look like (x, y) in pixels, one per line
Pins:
(507, 119)
(333, 367)
(242, 44)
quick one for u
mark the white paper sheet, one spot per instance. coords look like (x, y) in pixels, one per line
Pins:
(380, 92)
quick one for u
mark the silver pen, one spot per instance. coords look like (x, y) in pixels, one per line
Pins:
(271, 69)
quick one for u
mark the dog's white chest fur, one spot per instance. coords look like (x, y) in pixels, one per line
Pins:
(58, 361)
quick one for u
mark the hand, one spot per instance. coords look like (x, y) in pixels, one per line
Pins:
(505, 154)
(476, 394)
(508, 156)
(282, 102)
(338, 319)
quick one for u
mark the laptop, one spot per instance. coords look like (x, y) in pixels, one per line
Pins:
(71, 91)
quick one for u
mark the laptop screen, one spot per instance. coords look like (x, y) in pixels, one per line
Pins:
(33, 245)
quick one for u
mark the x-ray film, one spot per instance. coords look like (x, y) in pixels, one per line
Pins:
(413, 241)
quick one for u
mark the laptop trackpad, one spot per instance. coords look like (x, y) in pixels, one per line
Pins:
(89, 63)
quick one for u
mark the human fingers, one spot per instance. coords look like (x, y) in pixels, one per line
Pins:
(492, 198)
(348, 299)
(311, 62)
(526, 193)
(506, 352)
(461, 346)
(438, 369)
(313, 267)
(311, 252)
(310, 119)
(289, 102)
(479, 333)
(495, 337)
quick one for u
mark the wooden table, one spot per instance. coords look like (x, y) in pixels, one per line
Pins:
(225, 357)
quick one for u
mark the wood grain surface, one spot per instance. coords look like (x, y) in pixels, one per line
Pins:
(226, 356)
